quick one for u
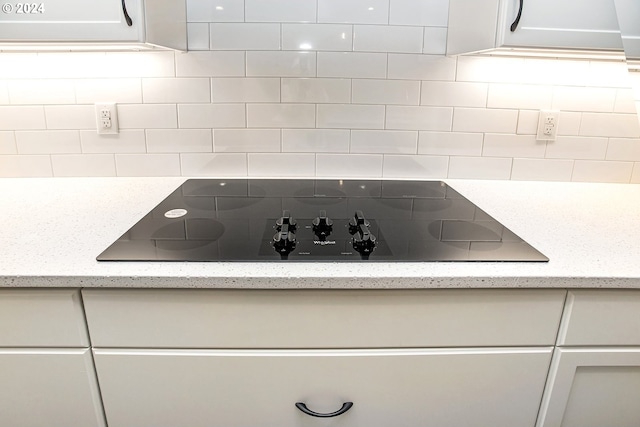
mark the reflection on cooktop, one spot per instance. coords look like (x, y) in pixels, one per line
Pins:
(280, 220)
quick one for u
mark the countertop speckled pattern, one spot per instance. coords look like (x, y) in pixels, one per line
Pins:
(53, 228)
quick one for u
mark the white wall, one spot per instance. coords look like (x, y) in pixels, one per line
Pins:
(316, 88)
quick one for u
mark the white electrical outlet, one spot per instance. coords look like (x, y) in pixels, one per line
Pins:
(548, 125)
(106, 118)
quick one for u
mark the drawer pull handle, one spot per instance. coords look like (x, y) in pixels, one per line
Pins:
(345, 407)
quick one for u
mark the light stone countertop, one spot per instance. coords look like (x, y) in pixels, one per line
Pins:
(53, 229)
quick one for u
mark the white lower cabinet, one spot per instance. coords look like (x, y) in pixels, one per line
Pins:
(49, 388)
(499, 387)
(47, 376)
(593, 387)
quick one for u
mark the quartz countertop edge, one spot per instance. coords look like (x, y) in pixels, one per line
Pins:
(53, 228)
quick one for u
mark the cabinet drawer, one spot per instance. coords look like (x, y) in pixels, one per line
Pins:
(322, 319)
(49, 387)
(226, 388)
(601, 317)
(42, 318)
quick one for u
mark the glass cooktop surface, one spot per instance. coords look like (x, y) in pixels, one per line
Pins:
(286, 220)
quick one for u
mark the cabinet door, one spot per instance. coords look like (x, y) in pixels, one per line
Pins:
(49, 388)
(629, 19)
(443, 388)
(571, 24)
(593, 388)
(71, 20)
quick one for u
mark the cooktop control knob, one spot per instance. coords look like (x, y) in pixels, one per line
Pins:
(363, 241)
(288, 220)
(284, 241)
(357, 220)
(322, 226)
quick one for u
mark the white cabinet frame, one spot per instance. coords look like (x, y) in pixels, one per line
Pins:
(563, 370)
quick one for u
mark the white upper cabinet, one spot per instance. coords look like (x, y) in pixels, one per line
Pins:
(629, 19)
(569, 24)
(141, 23)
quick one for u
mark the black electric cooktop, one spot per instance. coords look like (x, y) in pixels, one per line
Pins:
(318, 220)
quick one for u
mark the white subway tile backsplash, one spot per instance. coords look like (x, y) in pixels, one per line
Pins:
(26, 92)
(387, 38)
(503, 145)
(352, 64)
(485, 120)
(12, 166)
(245, 89)
(353, 11)
(281, 164)
(611, 125)
(625, 102)
(419, 118)
(563, 72)
(480, 167)
(421, 67)
(280, 10)
(327, 87)
(134, 64)
(148, 164)
(68, 65)
(246, 140)
(635, 177)
(534, 97)
(528, 122)
(8, 142)
(4, 93)
(210, 64)
(384, 142)
(568, 123)
(19, 65)
(349, 165)
(601, 171)
(179, 141)
(316, 90)
(211, 116)
(281, 64)
(83, 165)
(398, 92)
(595, 99)
(281, 116)
(163, 91)
(142, 116)
(315, 140)
(542, 170)
(345, 116)
(22, 118)
(454, 94)
(215, 11)
(198, 37)
(70, 117)
(48, 142)
(450, 143)
(435, 41)
(90, 91)
(576, 147)
(422, 167)
(492, 70)
(426, 13)
(223, 165)
(332, 37)
(126, 141)
(244, 36)
(608, 74)
(625, 149)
